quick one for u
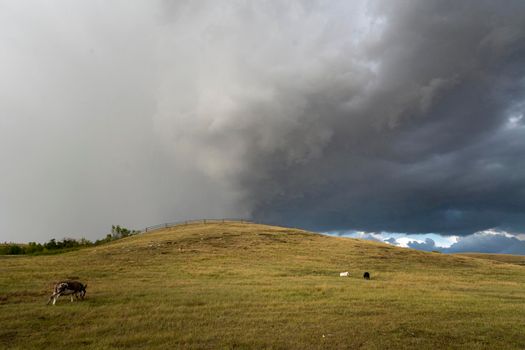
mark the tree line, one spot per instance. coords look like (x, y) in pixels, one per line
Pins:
(54, 246)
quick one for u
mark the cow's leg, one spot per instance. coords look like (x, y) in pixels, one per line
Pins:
(52, 297)
(55, 298)
(71, 297)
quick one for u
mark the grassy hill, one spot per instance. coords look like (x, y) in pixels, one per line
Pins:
(242, 286)
(503, 258)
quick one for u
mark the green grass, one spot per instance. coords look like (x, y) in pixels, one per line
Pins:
(245, 286)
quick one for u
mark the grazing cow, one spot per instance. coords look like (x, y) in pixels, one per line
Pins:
(68, 288)
(343, 274)
(366, 276)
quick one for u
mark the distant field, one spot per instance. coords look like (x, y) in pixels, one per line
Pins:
(503, 258)
(245, 286)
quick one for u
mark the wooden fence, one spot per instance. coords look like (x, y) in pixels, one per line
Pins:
(189, 222)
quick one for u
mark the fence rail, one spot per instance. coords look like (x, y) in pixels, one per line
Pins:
(189, 222)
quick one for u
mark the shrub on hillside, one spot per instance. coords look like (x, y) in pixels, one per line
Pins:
(54, 246)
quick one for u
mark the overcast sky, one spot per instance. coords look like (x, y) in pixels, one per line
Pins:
(341, 116)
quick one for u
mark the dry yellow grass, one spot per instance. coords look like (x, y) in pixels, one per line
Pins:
(244, 286)
(502, 258)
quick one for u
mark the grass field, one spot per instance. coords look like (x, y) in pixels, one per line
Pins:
(244, 286)
(503, 258)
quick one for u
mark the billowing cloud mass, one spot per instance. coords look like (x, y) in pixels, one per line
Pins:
(402, 116)
(488, 241)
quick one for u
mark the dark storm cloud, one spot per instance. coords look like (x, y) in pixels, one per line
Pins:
(402, 116)
(408, 130)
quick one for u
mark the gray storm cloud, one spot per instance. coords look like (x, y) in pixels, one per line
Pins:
(375, 115)
(402, 116)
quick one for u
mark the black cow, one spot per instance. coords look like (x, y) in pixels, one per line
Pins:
(366, 276)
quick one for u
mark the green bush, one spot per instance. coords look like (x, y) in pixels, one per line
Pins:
(66, 244)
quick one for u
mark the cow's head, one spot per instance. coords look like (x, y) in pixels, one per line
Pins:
(83, 291)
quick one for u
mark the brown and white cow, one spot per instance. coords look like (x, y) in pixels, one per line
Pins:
(68, 288)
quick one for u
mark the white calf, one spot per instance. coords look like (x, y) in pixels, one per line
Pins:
(343, 274)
